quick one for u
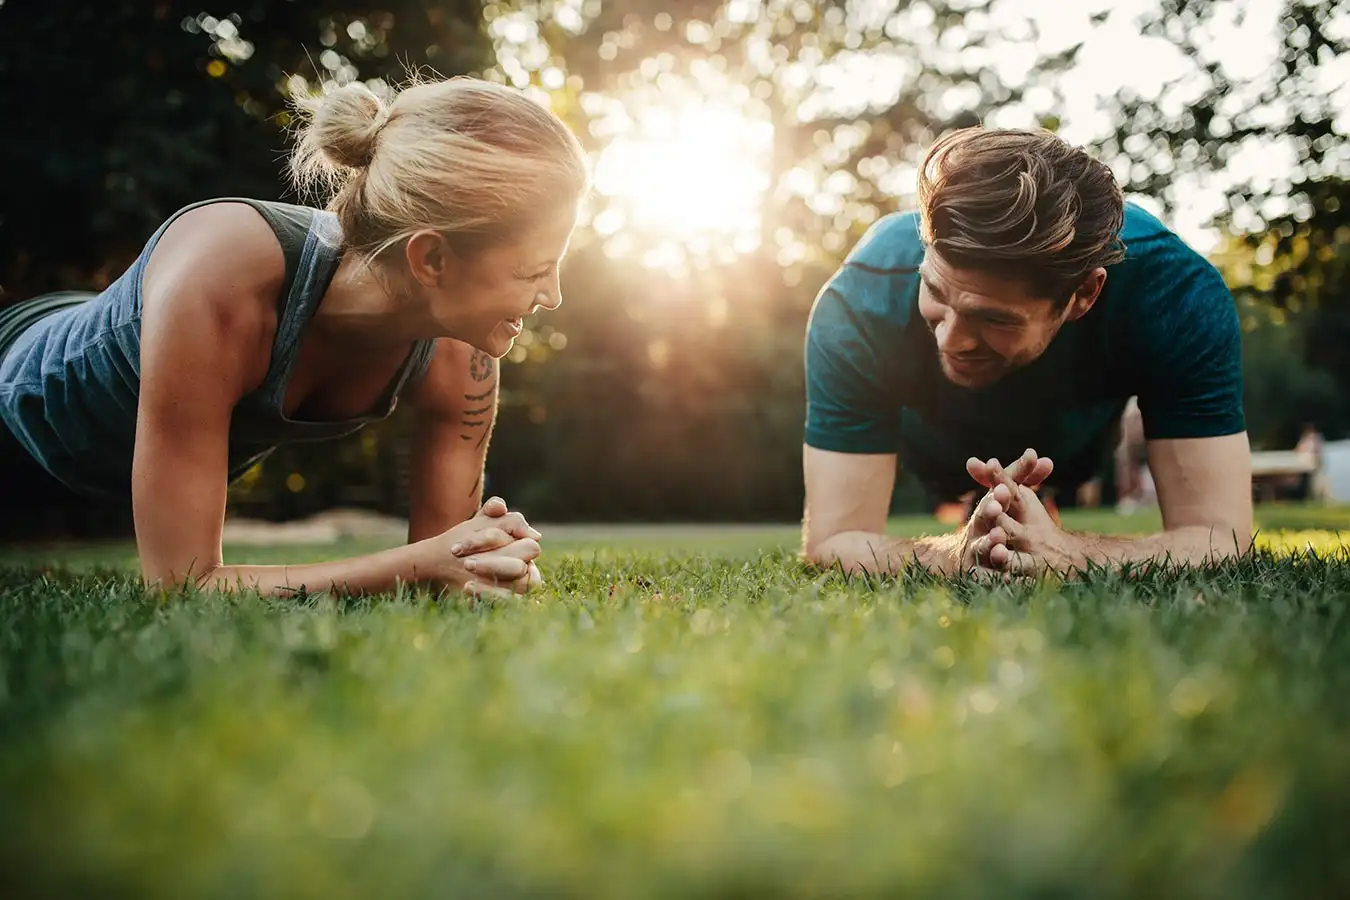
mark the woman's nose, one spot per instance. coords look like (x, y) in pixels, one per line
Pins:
(550, 299)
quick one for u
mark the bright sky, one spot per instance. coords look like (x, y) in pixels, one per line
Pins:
(684, 173)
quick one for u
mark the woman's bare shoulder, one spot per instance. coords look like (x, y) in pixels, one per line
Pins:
(216, 273)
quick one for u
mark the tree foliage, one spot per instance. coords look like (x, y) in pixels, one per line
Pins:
(670, 384)
(680, 390)
(1282, 124)
(119, 112)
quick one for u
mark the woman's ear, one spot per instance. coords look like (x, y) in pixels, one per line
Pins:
(429, 258)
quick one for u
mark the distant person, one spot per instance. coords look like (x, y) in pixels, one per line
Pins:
(1134, 487)
(1313, 445)
(1018, 309)
(246, 324)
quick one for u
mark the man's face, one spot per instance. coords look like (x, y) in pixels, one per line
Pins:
(986, 325)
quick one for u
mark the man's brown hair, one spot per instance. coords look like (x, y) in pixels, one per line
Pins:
(1023, 204)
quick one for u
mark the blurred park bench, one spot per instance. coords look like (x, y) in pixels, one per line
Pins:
(1282, 473)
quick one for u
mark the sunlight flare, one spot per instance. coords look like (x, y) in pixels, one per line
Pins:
(686, 177)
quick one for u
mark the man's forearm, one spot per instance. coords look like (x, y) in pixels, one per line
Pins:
(1189, 545)
(879, 554)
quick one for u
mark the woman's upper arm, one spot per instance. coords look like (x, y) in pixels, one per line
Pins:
(207, 321)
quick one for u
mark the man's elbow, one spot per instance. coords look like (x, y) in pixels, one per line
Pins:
(813, 554)
(819, 551)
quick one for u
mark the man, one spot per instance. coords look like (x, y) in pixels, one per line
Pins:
(1020, 309)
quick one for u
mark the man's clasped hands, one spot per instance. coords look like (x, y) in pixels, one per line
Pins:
(1009, 533)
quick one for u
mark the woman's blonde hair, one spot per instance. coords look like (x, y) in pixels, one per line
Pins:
(477, 161)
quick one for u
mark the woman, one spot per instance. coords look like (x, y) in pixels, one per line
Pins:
(245, 324)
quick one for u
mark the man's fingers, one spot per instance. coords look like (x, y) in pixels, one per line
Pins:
(1028, 470)
(978, 470)
(978, 550)
(1004, 497)
(986, 575)
(1004, 477)
(1013, 529)
(1039, 472)
(986, 512)
(1021, 467)
(1012, 561)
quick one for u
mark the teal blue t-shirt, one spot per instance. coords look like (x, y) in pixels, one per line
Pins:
(1164, 329)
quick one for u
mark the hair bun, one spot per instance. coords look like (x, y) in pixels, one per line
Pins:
(347, 124)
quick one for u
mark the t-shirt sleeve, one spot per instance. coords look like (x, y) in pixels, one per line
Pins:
(1191, 353)
(849, 407)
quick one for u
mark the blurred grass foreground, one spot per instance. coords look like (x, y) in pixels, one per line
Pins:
(705, 719)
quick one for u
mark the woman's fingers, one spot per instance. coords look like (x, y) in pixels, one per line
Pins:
(515, 524)
(488, 539)
(495, 506)
(526, 549)
(511, 522)
(512, 565)
(479, 589)
(495, 567)
(504, 532)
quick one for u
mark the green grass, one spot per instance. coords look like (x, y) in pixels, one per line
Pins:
(699, 718)
(594, 542)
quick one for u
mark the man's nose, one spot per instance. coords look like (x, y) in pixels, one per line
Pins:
(954, 336)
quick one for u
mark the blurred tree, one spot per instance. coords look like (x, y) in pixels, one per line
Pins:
(1270, 133)
(119, 112)
(742, 147)
(1283, 388)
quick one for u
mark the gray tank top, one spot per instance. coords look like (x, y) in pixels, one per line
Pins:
(70, 365)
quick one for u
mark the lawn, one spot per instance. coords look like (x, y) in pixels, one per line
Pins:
(685, 714)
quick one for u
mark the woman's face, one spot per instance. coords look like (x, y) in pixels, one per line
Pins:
(484, 299)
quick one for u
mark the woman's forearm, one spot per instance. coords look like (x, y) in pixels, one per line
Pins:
(370, 573)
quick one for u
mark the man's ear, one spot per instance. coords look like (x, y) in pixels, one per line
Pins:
(1086, 295)
(429, 258)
